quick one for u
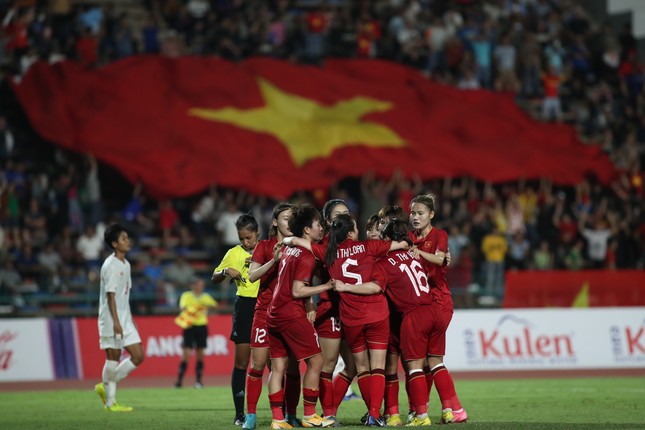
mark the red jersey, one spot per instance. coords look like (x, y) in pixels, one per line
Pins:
(353, 265)
(404, 280)
(436, 240)
(327, 300)
(316, 22)
(551, 85)
(262, 254)
(296, 264)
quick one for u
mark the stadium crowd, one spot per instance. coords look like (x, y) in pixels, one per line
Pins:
(561, 65)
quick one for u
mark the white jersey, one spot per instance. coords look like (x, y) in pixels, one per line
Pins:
(115, 278)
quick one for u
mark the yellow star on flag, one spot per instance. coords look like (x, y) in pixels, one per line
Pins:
(306, 128)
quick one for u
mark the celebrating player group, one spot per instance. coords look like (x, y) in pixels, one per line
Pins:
(323, 293)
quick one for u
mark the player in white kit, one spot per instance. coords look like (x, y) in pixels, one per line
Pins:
(116, 328)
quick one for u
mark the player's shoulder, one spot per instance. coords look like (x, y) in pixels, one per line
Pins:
(109, 262)
(266, 244)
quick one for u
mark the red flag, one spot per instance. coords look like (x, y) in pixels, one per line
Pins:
(271, 127)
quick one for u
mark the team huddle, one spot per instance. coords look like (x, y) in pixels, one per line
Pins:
(379, 301)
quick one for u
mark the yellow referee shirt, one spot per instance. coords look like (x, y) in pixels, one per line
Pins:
(236, 259)
(194, 309)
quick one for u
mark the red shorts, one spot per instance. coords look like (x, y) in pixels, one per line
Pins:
(259, 331)
(438, 339)
(329, 327)
(297, 336)
(417, 330)
(327, 322)
(394, 344)
(367, 336)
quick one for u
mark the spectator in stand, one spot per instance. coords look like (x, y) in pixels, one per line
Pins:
(494, 248)
(53, 269)
(87, 49)
(10, 279)
(168, 222)
(16, 25)
(7, 141)
(225, 225)
(597, 239)
(519, 250)
(92, 192)
(574, 258)
(35, 221)
(551, 107)
(122, 37)
(153, 274)
(134, 218)
(482, 48)
(179, 273)
(29, 268)
(89, 246)
(468, 81)
(542, 257)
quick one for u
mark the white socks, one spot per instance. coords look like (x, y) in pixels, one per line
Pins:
(114, 372)
(123, 369)
(109, 381)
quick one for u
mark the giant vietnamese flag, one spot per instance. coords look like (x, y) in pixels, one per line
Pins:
(272, 127)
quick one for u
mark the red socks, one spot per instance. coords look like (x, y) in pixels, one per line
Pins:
(253, 390)
(276, 400)
(392, 394)
(326, 393)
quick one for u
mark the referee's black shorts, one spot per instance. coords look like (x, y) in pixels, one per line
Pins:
(195, 337)
(243, 319)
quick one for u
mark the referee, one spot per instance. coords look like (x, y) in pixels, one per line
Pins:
(235, 265)
(194, 305)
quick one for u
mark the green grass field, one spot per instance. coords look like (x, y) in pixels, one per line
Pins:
(581, 403)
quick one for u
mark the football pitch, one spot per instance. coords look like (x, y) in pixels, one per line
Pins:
(580, 403)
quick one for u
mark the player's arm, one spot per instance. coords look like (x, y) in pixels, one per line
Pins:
(366, 289)
(297, 241)
(436, 258)
(394, 246)
(111, 300)
(256, 271)
(310, 307)
(300, 290)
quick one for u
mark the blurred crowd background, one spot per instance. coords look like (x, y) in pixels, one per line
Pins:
(561, 64)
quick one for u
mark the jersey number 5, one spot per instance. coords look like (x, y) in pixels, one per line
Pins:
(350, 275)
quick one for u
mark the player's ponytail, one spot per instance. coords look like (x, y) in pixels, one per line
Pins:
(397, 230)
(340, 227)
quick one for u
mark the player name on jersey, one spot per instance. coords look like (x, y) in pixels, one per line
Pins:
(348, 252)
(402, 256)
(293, 252)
